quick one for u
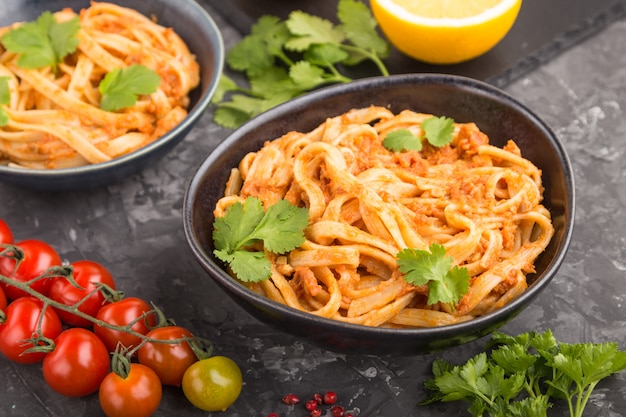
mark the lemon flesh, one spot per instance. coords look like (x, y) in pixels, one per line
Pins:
(445, 31)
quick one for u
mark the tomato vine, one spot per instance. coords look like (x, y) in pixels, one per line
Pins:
(97, 317)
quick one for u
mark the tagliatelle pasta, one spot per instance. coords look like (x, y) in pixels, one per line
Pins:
(54, 118)
(367, 203)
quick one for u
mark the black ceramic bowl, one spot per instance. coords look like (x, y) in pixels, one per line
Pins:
(200, 33)
(463, 99)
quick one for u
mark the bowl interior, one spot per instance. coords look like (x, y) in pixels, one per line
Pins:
(465, 100)
(199, 31)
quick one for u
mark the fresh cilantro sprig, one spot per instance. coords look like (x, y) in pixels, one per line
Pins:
(121, 87)
(446, 284)
(43, 42)
(522, 374)
(436, 130)
(5, 98)
(282, 59)
(279, 229)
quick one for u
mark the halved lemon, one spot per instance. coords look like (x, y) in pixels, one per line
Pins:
(445, 31)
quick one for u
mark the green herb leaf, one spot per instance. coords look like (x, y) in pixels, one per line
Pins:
(43, 42)
(325, 55)
(402, 140)
(310, 30)
(446, 284)
(511, 381)
(306, 75)
(121, 87)
(309, 50)
(5, 98)
(438, 130)
(279, 229)
(360, 27)
(249, 55)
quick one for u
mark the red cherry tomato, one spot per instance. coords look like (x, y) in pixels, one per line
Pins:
(3, 300)
(86, 274)
(78, 363)
(137, 395)
(6, 236)
(38, 256)
(122, 313)
(22, 318)
(168, 360)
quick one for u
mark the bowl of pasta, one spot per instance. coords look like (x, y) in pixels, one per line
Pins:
(92, 92)
(390, 215)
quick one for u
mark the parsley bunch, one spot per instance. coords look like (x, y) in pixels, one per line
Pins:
(283, 59)
(520, 376)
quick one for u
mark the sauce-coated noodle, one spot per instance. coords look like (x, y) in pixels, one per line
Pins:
(366, 203)
(55, 120)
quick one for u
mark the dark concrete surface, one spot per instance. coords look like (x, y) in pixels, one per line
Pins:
(135, 229)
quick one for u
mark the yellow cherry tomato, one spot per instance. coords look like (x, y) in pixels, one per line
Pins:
(213, 384)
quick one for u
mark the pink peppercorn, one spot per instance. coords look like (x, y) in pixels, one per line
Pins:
(311, 405)
(337, 411)
(330, 398)
(291, 399)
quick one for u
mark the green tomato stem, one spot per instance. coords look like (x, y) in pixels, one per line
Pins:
(41, 343)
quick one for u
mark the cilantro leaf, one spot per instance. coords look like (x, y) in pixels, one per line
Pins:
(421, 267)
(306, 75)
(280, 229)
(5, 98)
(234, 229)
(360, 27)
(43, 42)
(309, 30)
(274, 33)
(120, 87)
(250, 266)
(438, 130)
(225, 84)
(250, 55)
(309, 50)
(325, 55)
(402, 140)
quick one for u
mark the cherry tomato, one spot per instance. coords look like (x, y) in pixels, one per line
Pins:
(38, 256)
(168, 360)
(213, 384)
(86, 274)
(78, 363)
(137, 395)
(3, 300)
(122, 313)
(22, 319)
(6, 236)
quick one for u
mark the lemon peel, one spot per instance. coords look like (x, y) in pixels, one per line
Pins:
(442, 39)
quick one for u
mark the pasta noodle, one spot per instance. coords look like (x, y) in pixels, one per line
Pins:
(54, 118)
(366, 203)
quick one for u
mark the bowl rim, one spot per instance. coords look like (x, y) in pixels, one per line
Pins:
(194, 113)
(495, 317)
